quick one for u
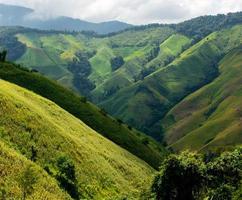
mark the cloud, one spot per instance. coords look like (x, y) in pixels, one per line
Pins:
(132, 11)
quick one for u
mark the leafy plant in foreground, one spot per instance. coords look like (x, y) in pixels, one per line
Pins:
(188, 176)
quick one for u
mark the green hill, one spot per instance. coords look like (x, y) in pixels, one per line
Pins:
(13, 166)
(113, 129)
(156, 67)
(43, 132)
(210, 117)
(145, 103)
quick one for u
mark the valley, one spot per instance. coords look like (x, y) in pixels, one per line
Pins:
(112, 111)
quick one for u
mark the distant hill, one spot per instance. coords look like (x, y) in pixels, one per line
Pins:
(137, 75)
(20, 16)
(210, 118)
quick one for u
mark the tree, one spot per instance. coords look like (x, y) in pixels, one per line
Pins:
(116, 62)
(180, 178)
(3, 56)
(190, 176)
(27, 180)
(67, 176)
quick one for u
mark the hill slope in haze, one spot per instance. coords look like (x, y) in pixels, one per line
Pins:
(11, 15)
(210, 117)
(41, 131)
(127, 137)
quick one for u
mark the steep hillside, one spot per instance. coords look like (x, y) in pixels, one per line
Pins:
(13, 166)
(210, 117)
(127, 137)
(144, 103)
(56, 54)
(48, 135)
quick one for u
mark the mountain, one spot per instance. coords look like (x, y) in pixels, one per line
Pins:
(21, 16)
(35, 129)
(138, 75)
(114, 129)
(12, 15)
(210, 117)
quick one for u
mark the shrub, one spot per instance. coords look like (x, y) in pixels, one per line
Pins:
(27, 180)
(116, 62)
(67, 176)
(190, 176)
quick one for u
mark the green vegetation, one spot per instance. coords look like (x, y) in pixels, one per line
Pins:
(21, 178)
(190, 176)
(137, 75)
(3, 56)
(145, 103)
(117, 62)
(87, 112)
(97, 167)
(210, 117)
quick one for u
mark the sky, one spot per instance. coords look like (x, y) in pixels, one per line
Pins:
(130, 11)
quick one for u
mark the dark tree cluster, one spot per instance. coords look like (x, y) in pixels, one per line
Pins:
(11, 43)
(116, 62)
(66, 176)
(81, 69)
(200, 27)
(153, 53)
(191, 176)
(3, 56)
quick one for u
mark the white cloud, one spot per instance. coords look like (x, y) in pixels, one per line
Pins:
(132, 11)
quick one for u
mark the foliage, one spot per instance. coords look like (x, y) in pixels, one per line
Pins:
(27, 180)
(188, 176)
(116, 62)
(3, 56)
(81, 69)
(67, 176)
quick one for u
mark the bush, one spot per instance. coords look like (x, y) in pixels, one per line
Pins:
(116, 62)
(189, 176)
(27, 180)
(67, 176)
(3, 56)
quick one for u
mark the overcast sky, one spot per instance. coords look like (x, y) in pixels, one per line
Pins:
(131, 11)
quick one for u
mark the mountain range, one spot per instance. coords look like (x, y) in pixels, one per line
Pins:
(21, 16)
(93, 116)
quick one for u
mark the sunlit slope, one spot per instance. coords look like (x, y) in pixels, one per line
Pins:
(144, 103)
(138, 64)
(210, 117)
(126, 137)
(13, 165)
(52, 54)
(103, 169)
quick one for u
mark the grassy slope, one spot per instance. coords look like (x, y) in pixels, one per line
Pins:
(210, 117)
(50, 53)
(131, 140)
(144, 103)
(103, 169)
(171, 47)
(133, 46)
(13, 165)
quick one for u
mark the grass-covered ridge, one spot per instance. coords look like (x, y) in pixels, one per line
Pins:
(144, 103)
(97, 119)
(210, 117)
(41, 131)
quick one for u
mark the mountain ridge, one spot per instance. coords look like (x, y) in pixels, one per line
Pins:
(21, 16)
